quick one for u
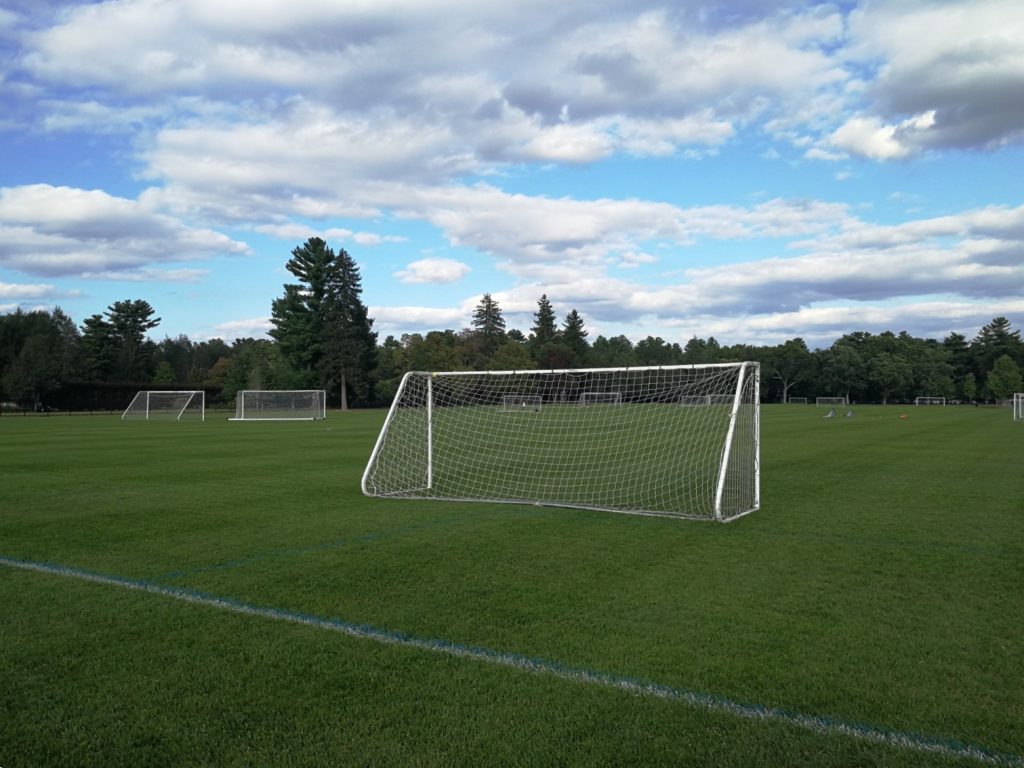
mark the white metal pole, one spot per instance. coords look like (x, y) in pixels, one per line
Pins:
(430, 431)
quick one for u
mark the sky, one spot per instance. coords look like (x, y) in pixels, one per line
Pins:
(754, 171)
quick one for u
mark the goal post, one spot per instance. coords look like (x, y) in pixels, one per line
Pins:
(166, 405)
(929, 401)
(830, 401)
(1018, 406)
(280, 405)
(444, 438)
(600, 398)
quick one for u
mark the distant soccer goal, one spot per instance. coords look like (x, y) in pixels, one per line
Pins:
(797, 400)
(441, 440)
(280, 405)
(521, 403)
(830, 401)
(170, 405)
(1018, 406)
(601, 398)
(929, 401)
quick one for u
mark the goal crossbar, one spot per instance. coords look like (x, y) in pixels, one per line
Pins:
(280, 405)
(150, 404)
(442, 439)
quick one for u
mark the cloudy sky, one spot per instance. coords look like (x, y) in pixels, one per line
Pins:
(751, 170)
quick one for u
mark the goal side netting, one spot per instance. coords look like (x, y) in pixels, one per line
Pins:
(167, 405)
(280, 405)
(522, 437)
(1018, 406)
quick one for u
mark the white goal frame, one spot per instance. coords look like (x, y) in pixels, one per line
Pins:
(797, 401)
(260, 405)
(521, 403)
(929, 401)
(1018, 406)
(830, 401)
(600, 398)
(143, 402)
(647, 456)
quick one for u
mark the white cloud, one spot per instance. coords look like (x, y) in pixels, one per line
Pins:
(255, 327)
(401, 319)
(433, 271)
(64, 231)
(23, 291)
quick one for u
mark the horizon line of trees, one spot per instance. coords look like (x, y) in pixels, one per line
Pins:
(323, 338)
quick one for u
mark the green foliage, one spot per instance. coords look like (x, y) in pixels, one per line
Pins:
(545, 326)
(1004, 379)
(322, 325)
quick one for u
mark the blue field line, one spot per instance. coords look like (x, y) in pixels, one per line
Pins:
(275, 554)
(947, 748)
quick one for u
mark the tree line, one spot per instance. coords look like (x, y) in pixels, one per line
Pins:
(323, 338)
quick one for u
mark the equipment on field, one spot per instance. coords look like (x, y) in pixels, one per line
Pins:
(636, 447)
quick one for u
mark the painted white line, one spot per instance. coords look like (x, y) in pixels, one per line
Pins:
(703, 701)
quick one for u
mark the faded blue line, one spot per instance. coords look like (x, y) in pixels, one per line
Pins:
(707, 702)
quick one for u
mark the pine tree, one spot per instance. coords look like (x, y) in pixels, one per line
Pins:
(544, 328)
(321, 324)
(574, 336)
(489, 326)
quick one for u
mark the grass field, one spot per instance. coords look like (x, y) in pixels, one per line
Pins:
(221, 594)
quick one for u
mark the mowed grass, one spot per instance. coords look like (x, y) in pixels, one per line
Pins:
(880, 588)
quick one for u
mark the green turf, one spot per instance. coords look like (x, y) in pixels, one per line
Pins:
(879, 586)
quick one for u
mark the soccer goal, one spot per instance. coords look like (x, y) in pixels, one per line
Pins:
(521, 403)
(444, 438)
(601, 398)
(830, 401)
(797, 400)
(929, 401)
(280, 405)
(170, 405)
(1018, 406)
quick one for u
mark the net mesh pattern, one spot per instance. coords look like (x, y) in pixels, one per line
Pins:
(280, 404)
(177, 405)
(680, 440)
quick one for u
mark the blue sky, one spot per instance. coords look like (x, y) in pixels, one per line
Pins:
(752, 171)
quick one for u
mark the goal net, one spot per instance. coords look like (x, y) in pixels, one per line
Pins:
(445, 438)
(171, 405)
(830, 401)
(601, 398)
(1018, 406)
(797, 401)
(929, 401)
(520, 403)
(280, 405)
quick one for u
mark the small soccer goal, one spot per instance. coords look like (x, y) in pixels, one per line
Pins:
(280, 405)
(443, 440)
(929, 401)
(601, 398)
(830, 401)
(168, 405)
(797, 400)
(521, 403)
(1018, 406)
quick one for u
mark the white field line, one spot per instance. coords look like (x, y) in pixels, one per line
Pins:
(702, 701)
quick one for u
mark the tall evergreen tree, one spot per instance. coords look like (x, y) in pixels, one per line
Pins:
(321, 324)
(574, 336)
(545, 326)
(993, 341)
(489, 326)
(129, 322)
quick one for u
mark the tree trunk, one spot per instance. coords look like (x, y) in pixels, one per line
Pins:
(344, 392)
